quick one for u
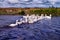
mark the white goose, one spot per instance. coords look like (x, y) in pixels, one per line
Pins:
(48, 17)
(12, 25)
(26, 18)
(36, 18)
(41, 17)
(20, 22)
(30, 19)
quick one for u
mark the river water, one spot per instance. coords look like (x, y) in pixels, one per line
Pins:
(45, 29)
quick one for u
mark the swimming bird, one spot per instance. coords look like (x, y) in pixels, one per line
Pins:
(36, 18)
(13, 25)
(48, 17)
(25, 18)
(20, 22)
(41, 17)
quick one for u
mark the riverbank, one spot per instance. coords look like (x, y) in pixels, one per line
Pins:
(24, 11)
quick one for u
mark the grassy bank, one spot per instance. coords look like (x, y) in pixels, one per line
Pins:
(23, 11)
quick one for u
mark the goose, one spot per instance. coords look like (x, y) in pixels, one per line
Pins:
(30, 20)
(35, 19)
(13, 25)
(23, 20)
(48, 17)
(20, 21)
(26, 18)
(41, 17)
(33, 16)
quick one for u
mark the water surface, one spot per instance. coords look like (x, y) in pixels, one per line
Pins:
(44, 29)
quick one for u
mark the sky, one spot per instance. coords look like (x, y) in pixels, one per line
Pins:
(29, 3)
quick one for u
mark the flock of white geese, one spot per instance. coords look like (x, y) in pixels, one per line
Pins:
(31, 19)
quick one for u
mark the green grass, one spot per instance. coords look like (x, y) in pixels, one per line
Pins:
(39, 11)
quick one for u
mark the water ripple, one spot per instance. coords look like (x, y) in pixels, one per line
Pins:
(40, 30)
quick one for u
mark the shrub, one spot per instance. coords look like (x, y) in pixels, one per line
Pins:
(21, 13)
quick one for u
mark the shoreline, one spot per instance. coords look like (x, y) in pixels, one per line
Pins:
(25, 11)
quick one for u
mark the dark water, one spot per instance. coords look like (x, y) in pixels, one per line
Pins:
(41, 30)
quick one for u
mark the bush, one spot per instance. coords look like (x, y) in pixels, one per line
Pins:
(21, 13)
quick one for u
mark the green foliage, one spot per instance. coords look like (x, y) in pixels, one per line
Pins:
(48, 11)
(21, 13)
